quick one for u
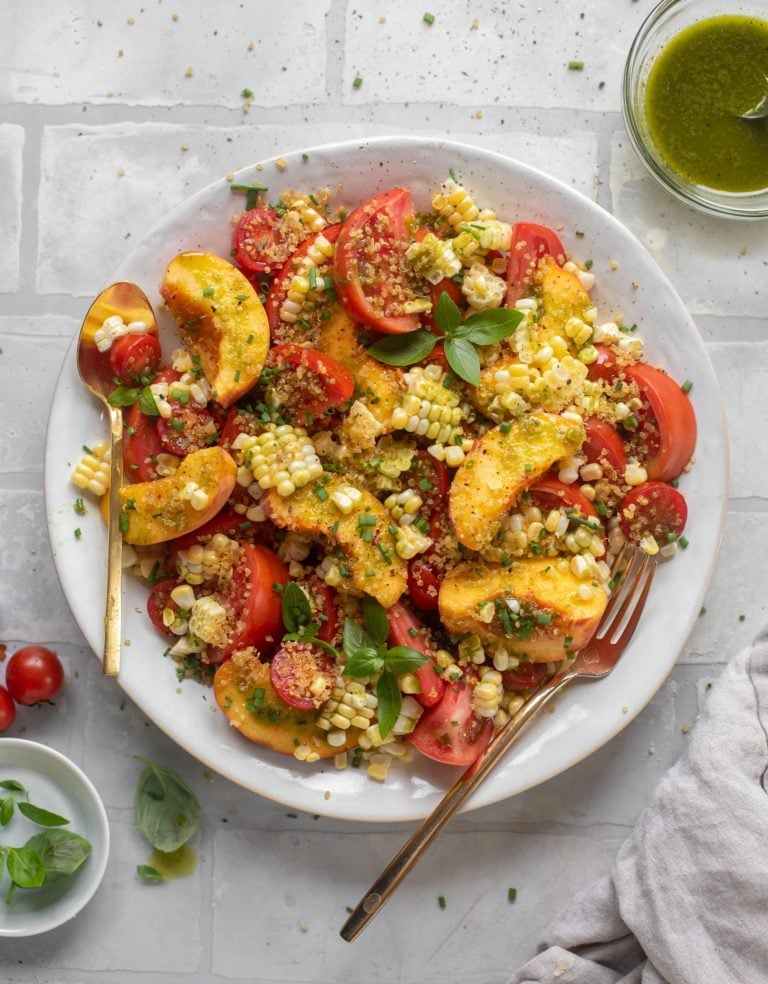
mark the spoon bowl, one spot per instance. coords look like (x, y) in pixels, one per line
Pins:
(129, 302)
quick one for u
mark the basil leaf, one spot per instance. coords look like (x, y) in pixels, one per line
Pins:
(13, 785)
(147, 403)
(60, 851)
(355, 638)
(166, 810)
(123, 396)
(364, 663)
(403, 659)
(405, 349)
(463, 359)
(148, 873)
(42, 817)
(296, 611)
(375, 619)
(390, 702)
(447, 314)
(489, 327)
(7, 807)
(25, 867)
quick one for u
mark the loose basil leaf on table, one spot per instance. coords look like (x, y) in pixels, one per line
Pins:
(166, 810)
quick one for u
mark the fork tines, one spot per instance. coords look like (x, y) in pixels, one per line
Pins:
(632, 572)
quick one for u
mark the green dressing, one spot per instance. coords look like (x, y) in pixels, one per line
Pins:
(698, 85)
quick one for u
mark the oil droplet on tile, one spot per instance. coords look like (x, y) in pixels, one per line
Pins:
(175, 864)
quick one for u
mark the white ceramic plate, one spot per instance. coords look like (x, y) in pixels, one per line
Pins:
(588, 715)
(57, 784)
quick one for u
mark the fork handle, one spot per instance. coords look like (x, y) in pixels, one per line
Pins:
(416, 845)
(112, 614)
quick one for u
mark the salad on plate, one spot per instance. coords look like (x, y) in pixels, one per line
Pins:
(378, 491)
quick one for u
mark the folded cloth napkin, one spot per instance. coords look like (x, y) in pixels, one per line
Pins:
(687, 899)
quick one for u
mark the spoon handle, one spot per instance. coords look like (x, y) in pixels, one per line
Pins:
(112, 615)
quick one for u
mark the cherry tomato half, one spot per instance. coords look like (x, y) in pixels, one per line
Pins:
(238, 422)
(370, 260)
(654, 508)
(529, 243)
(141, 443)
(605, 365)
(406, 630)
(603, 444)
(255, 240)
(325, 608)
(189, 428)
(34, 673)
(132, 357)
(313, 381)
(524, 676)
(671, 436)
(159, 599)
(551, 493)
(7, 710)
(423, 584)
(451, 731)
(302, 675)
(279, 286)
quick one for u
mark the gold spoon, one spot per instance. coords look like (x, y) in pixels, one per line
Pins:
(130, 302)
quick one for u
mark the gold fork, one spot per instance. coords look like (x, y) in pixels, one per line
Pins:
(596, 660)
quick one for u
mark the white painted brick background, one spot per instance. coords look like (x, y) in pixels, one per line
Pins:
(73, 113)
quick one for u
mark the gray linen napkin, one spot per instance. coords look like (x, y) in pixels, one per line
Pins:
(687, 899)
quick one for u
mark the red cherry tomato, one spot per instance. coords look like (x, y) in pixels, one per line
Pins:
(423, 584)
(370, 261)
(654, 508)
(316, 382)
(671, 436)
(406, 630)
(551, 493)
(524, 676)
(238, 422)
(7, 710)
(34, 673)
(604, 444)
(141, 443)
(451, 731)
(529, 243)
(159, 599)
(605, 365)
(279, 286)
(132, 357)
(189, 428)
(255, 240)
(295, 668)
(230, 523)
(323, 601)
(254, 606)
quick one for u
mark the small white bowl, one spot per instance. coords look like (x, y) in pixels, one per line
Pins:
(57, 784)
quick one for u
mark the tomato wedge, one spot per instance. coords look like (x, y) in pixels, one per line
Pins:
(370, 266)
(670, 437)
(238, 422)
(283, 278)
(653, 508)
(324, 608)
(190, 428)
(524, 676)
(605, 365)
(254, 606)
(530, 242)
(451, 731)
(133, 357)
(603, 444)
(294, 671)
(141, 446)
(423, 584)
(255, 239)
(311, 381)
(406, 630)
(551, 493)
(159, 599)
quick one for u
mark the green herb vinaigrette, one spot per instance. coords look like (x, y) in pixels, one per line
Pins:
(704, 78)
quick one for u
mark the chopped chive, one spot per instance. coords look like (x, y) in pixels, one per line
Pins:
(305, 157)
(358, 81)
(580, 234)
(79, 507)
(674, 482)
(683, 542)
(208, 292)
(687, 386)
(543, 618)
(237, 375)
(366, 519)
(702, 611)
(247, 94)
(511, 894)
(131, 431)
(588, 264)
(178, 425)
(78, 533)
(366, 534)
(441, 901)
(384, 553)
(452, 175)
(241, 297)
(601, 85)
(320, 492)
(249, 340)
(87, 449)
(576, 66)
(123, 522)
(429, 18)
(130, 503)
(425, 485)
(600, 508)
(505, 427)
(412, 632)
(742, 618)
(313, 278)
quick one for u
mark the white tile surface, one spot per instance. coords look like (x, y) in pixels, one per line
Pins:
(11, 150)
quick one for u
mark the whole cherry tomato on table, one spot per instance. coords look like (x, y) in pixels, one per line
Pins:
(7, 710)
(34, 674)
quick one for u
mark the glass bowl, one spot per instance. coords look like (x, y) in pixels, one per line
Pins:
(665, 22)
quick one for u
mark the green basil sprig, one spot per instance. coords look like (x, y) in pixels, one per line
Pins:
(366, 654)
(459, 337)
(166, 810)
(297, 619)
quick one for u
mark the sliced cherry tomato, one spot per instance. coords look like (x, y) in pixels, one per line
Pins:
(189, 428)
(605, 365)
(604, 444)
(231, 524)
(670, 436)
(370, 266)
(7, 710)
(451, 731)
(159, 599)
(312, 381)
(34, 673)
(279, 286)
(551, 493)
(132, 357)
(423, 584)
(406, 630)
(524, 676)
(294, 672)
(655, 508)
(323, 600)
(529, 243)
(447, 286)
(238, 422)
(255, 240)
(253, 604)
(141, 442)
